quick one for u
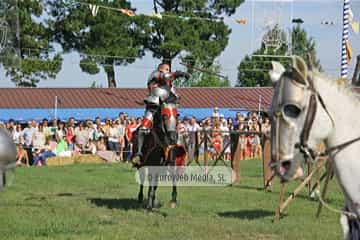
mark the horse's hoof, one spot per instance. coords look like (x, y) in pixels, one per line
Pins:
(173, 204)
(136, 161)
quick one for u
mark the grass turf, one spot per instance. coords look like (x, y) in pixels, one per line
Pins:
(98, 201)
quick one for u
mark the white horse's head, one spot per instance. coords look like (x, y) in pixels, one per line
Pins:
(295, 113)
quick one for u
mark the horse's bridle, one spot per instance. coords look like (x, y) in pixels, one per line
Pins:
(309, 153)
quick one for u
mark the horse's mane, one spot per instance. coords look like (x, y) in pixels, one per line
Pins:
(340, 84)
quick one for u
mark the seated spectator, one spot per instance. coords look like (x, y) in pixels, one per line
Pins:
(22, 157)
(62, 149)
(103, 153)
(90, 147)
(40, 155)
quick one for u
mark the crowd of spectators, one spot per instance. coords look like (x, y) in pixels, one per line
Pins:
(111, 139)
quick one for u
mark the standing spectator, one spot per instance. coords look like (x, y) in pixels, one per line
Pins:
(180, 130)
(216, 113)
(114, 136)
(121, 129)
(60, 132)
(105, 129)
(27, 136)
(39, 138)
(16, 134)
(243, 144)
(226, 139)
(129, 133)
(266, 127)
(91, 130)
(70, 136)
(193, 130)
(54, 128)
(255, 146)
(46, 128)
(217, 141)
(81, 135)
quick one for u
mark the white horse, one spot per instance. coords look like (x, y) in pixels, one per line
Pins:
(309, 108)
(7, 156)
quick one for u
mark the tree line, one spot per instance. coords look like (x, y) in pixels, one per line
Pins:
(193, 31)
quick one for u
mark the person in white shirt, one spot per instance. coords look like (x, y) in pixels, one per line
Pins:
(114, 136)
(193, 135)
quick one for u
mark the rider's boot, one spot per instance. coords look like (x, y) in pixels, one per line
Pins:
(136, 160)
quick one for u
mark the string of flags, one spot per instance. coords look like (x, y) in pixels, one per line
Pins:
(95, 8)
(346, 51)
(243, 21)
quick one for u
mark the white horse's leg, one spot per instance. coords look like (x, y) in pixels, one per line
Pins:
(344, 222)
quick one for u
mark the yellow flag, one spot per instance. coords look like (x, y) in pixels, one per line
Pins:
(355, 26)
(348, 51)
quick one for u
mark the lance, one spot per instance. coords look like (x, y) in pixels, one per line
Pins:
(202, 70)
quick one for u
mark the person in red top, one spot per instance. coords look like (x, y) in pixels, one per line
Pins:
(161, 90)
(129, 133)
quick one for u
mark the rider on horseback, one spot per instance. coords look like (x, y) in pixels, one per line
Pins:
(161, 91)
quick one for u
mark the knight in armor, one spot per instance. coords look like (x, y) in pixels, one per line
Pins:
(161, 90)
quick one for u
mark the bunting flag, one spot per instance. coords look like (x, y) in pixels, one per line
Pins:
(94, 9)
(354, 24)
(348, 51)
(156, 15)
(241, 21)
(127, 12)
(345, 54)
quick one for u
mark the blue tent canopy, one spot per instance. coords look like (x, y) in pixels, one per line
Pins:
(23, 115)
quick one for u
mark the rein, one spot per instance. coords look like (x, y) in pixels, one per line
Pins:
(314, 155)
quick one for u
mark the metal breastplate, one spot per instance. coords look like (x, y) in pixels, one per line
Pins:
(163, 92)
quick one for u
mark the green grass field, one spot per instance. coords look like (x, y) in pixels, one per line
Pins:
(99, 202)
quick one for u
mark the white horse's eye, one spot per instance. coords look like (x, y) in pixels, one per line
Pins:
(291, 110)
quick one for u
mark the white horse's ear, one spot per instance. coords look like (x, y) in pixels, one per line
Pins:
(276, 72)
(300, 70)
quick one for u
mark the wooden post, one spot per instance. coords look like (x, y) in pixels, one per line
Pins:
(300, 187)
(266, 157)
(281, 200)
(205, 148)
(329, 172)
(236, 164)
(356, 76)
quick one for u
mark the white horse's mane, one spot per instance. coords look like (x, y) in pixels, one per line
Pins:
(341, 86)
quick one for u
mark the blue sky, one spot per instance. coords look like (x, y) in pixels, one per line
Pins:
(243, 40)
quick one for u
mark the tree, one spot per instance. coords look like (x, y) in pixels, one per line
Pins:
(28, 56)
(107, 40)
(191, 28)
(253, 71)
